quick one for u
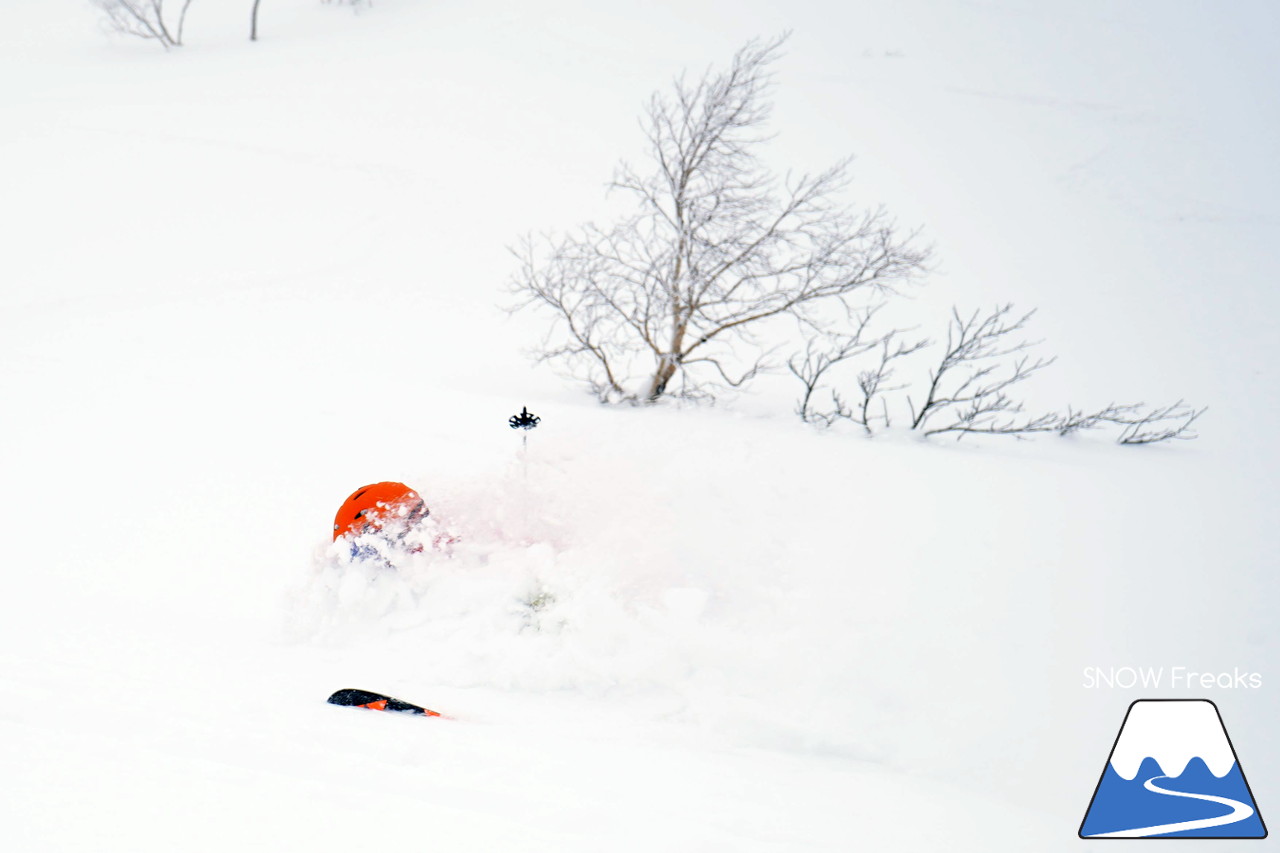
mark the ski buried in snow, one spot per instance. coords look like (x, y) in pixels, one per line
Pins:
(378, 702)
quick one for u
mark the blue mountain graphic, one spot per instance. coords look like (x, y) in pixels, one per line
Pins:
(1121, 804)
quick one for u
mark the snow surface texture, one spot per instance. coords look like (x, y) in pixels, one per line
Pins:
(242, 280)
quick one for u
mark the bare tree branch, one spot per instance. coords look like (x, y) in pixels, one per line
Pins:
(872, 382)
(1074, 420)
(969, 391)
(817, 361)
(1162, 424)
(182, 20)
(970, 382)
(144, 19)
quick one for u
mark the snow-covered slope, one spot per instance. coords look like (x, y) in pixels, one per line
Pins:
(241, 280)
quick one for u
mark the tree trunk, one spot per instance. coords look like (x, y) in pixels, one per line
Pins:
(658, 387)
(668, 365)
(253, 22)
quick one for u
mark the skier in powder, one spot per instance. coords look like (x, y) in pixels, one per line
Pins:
(386, 522)
(391, 507)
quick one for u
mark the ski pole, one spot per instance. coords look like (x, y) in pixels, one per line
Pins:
(526, 421)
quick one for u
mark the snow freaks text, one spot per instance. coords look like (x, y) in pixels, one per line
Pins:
(1173, 677)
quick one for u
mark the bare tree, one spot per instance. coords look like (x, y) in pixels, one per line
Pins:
(971, 382)
(813, 367)
(970, 387)
(144, 18)
(253, 21)
(872, 383)
(982, 362)
(683, 295)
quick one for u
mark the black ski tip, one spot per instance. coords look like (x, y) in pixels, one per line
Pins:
(351, 697)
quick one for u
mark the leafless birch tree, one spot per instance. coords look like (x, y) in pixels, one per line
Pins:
(685, 295)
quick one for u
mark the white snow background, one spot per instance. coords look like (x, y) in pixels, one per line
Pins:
(241, 280)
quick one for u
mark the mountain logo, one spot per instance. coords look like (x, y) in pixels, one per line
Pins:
(1172, 773)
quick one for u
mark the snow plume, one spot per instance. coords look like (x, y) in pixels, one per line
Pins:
(481, 567)
(592, 574)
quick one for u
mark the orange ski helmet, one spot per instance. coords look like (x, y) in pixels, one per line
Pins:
(367, 506)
